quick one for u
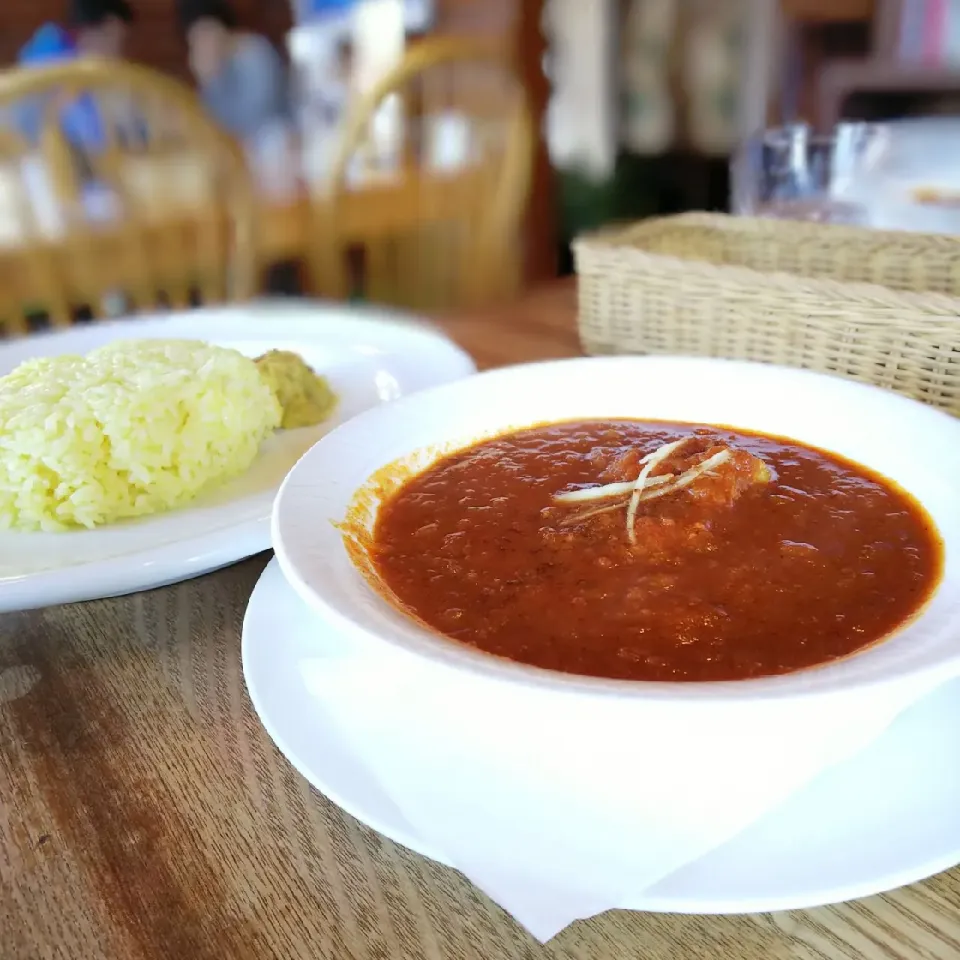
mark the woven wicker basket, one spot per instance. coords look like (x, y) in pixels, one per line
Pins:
(883, 308)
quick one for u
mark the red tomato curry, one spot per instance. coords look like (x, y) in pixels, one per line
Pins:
(655, 551)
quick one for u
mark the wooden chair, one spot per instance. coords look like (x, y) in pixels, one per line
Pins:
(447, 198)
(117, 193)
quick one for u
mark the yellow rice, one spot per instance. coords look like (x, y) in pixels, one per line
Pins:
(133, 428)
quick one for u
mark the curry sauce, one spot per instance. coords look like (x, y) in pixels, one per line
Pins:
(741, 555)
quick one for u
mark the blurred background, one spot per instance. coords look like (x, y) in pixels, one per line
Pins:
(610, 110)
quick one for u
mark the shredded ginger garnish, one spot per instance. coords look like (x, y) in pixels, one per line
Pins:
(631, 493)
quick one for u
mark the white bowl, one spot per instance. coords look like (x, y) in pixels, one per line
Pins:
(911, 444)
(602, 787)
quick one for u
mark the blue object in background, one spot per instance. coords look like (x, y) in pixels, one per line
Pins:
(80, 120)
(322, 6)
(309, 11)
(418, 14)
(50, 43)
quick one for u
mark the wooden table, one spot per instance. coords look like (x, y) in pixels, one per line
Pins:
(145, 814)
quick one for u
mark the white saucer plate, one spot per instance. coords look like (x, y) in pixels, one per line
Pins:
(369, 356)
(887, 818)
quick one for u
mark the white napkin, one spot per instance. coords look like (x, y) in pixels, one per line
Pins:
(560, 807)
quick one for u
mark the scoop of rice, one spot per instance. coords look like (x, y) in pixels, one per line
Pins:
(133, 428)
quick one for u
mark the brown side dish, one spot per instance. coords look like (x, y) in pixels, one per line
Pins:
(655, 551)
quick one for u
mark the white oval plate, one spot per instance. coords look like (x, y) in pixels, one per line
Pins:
(370, 357)
(885, 818)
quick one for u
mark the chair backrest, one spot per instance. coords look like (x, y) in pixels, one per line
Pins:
(117, 193)
(429, 184)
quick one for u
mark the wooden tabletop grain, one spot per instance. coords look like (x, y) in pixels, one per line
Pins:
(145, 814)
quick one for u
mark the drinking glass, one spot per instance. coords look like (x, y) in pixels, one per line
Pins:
(793, 173)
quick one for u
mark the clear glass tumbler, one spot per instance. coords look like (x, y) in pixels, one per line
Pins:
(792, 173)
